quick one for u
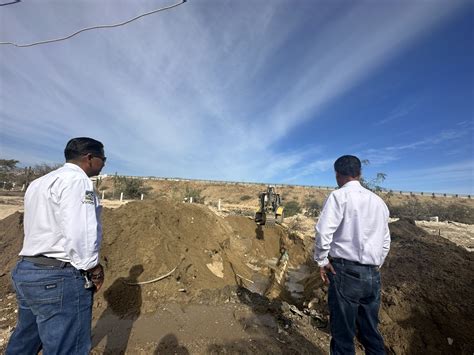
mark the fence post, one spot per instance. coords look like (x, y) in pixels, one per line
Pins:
(121, 196)
(219, 205)
(141, 198)
(103, 195)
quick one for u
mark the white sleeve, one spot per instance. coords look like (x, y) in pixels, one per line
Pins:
(329, 220)
(386, 238)
(79, 222)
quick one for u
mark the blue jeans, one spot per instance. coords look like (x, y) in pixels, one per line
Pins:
(54, 311)
(354, 302)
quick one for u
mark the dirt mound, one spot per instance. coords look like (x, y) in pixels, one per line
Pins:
(405, 228)
(427, 293)
(208, 251)
(11, 242)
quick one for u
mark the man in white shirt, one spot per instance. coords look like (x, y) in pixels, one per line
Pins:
(59, 268)
(352, 241)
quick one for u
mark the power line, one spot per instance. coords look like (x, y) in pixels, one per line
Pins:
(10, 3)
(94, 27)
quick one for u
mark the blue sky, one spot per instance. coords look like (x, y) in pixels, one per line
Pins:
(263, 91)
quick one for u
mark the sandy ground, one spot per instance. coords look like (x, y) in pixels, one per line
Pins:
(459, 233)
(240, 289)
(10, 205)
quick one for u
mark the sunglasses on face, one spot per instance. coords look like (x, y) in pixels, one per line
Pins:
(99, 156)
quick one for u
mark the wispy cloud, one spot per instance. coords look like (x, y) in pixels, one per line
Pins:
(459, 176)
(384, 155)
(400, 112)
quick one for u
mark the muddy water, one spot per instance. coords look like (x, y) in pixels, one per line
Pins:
(293, 277)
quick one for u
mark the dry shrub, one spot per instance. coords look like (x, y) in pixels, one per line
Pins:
(313, 208)
(292, 208)
(195, 194)
(423, 210)
(132, 188)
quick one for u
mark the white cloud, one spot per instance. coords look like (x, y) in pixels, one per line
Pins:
(459, 176)
(398, 113)
(384, 155)
(205, 90)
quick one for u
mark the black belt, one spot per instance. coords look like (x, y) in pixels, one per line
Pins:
(349, 262)
(46, 261)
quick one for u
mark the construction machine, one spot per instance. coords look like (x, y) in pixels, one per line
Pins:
(270, 209)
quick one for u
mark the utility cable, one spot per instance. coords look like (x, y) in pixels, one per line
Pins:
(94, 27)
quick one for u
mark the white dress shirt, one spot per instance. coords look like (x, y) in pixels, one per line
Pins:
(353, 225)
(62, 218)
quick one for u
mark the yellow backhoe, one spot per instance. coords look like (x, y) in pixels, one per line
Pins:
(270, 210)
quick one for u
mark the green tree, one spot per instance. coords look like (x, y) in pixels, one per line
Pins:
(10, 173)
(8, 165)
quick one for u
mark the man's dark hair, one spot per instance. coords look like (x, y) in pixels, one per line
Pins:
(80, 146)
(348, 165)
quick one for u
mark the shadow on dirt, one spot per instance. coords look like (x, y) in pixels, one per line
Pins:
(169, 345)
(259, 232)
(124, 301)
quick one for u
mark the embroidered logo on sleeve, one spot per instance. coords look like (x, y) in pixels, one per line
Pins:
(89, 197)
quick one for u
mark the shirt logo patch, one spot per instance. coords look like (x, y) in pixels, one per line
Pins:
(89, 197)
(50, 286)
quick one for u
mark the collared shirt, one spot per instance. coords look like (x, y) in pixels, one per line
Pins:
(353, 225)
(62, 218)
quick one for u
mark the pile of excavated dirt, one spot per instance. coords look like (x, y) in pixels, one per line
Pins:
(208, 251)
(427, 295)
(219, 284)
(11, 241)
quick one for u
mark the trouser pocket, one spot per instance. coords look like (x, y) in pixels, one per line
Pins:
(351, 287)
(43, 297)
